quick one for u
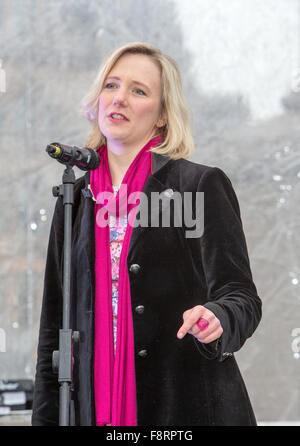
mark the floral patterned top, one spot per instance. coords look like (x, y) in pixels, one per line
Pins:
(117, 229)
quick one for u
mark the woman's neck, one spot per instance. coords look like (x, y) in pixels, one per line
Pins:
(120, 157)
(119, 164)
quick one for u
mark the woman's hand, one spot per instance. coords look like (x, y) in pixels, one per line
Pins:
(190, 318)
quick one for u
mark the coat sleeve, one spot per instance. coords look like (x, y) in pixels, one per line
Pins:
(231, 293)
(45, 411)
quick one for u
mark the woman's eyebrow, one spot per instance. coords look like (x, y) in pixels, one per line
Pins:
(133, 81)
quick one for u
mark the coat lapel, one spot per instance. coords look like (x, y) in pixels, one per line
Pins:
(152, 185)
(158, 161)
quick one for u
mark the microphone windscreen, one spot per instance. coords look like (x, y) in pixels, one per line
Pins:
(95, 159)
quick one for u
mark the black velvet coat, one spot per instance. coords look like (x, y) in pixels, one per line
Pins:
(178, 382)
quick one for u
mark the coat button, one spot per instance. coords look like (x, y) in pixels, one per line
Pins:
(140, 309)
(143, 353)
(134, 268)
(168, 193)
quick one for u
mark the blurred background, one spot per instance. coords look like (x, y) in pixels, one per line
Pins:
(240, 64)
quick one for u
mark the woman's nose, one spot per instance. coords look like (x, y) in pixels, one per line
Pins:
(120, 98)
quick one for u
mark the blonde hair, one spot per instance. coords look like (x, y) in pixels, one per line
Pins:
(177, 139)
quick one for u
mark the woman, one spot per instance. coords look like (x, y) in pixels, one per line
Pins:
(160, 309)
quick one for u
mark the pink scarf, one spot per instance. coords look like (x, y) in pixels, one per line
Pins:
(114, 375)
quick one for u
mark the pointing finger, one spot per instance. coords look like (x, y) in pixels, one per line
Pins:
(190, 320)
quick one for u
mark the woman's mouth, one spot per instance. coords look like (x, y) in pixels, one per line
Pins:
(117, 117)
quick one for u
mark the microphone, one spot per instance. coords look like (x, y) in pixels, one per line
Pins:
(85, 159)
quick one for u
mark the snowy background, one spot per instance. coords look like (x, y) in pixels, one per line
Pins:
(240, 63)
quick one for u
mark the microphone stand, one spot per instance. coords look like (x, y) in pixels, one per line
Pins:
(62, 359)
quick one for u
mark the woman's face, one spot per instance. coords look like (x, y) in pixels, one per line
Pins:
(130, 101)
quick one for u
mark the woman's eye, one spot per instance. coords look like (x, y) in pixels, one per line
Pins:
(139, 91)
(109, 85)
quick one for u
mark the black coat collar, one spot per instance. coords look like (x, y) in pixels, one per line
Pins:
(158, 161)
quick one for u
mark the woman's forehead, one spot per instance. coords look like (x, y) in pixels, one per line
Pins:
(137, 67)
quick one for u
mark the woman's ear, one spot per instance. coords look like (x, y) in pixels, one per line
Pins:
(161, 122)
